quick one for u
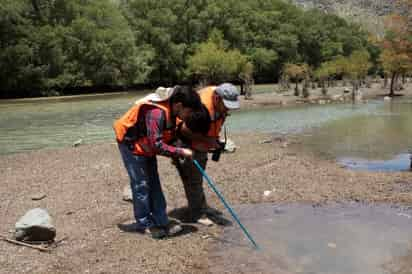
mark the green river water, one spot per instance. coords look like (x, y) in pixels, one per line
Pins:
(376, 133)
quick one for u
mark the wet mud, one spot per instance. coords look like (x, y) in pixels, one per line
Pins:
(304, 238)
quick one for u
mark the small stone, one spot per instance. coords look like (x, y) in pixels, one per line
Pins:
(78, 142)
(332, 245)
(265, 142)
(38, 196)
(336, 97)
(284, 145)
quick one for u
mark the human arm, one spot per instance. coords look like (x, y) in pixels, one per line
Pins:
(199, 142)
(156, 124)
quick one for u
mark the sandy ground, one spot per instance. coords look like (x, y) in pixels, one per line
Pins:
(84, 196)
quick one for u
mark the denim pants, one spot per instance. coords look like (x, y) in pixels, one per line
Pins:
(149, 204)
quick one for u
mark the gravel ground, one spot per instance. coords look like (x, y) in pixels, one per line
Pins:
(84, 196)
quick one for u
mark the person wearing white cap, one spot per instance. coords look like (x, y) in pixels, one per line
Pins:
(219, 100)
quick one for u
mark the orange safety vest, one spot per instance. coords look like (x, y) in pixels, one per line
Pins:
(207, 98)
(131, 117)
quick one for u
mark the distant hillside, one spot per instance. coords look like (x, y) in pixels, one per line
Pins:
(369, 13)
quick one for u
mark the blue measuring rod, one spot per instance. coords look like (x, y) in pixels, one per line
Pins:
(232, 212)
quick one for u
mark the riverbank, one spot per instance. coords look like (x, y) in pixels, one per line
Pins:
(84, 196)
(269, 95)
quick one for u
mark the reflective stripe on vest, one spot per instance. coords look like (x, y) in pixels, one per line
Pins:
(131, 117)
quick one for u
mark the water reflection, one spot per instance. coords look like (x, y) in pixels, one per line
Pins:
(37, 124)
(379, 140)
(301, 238)
(352, 133)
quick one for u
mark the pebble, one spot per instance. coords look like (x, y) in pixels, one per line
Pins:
(266, 193)
(331, 245)
(78, 142)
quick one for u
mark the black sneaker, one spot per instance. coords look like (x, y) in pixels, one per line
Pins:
(156, 232)
(211, 211)
(204, 220)
(133, 227)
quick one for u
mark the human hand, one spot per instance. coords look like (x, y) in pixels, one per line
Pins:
(187, 153)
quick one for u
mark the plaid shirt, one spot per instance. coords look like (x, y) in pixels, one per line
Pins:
(155, 123)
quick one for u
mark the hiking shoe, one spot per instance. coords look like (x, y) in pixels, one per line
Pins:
(156, 232)
(219, 220)
(204, 220)
(211, 211)
(133, 227)
(174, 229)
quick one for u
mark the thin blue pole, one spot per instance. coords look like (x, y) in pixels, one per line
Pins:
(232, 212)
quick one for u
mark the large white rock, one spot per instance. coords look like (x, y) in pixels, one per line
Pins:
(35, 225)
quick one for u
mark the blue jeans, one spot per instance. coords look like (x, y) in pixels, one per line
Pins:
(149, 204)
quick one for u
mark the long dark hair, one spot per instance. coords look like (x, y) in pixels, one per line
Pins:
(187, 96)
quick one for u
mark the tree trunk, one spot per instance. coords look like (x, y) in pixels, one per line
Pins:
(354, 89)
(324, 89)
(313, 85)
(305, 89)
(297, 89)
(242, 90)
(36, 8)
(248, 88)
(392, 91)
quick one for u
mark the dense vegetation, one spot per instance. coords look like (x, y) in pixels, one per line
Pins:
(50, 47)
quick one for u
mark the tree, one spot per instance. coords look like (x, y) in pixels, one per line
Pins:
(246, 79)
(396, 57)
(296, 72)
(357, 67)
(213, 63)
(49, 45)
(324, 73)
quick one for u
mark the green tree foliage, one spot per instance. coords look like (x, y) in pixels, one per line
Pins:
(358, 65)
(396, 57)
(56, 45)
(297, 73)
(355, 67)
(213, 62)
(48, 45)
